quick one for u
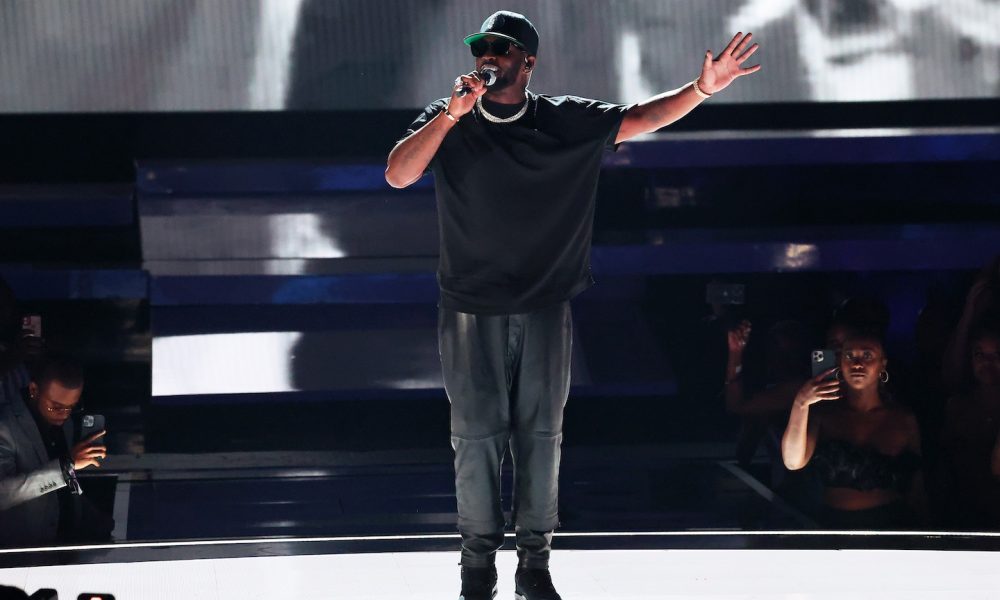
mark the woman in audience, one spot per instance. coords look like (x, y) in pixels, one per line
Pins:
(786, 366)
(982, 304)
(864, 447)
(970, 456)
(786, 355)
(763, 405)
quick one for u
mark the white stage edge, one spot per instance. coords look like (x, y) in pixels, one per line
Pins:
(578, 574)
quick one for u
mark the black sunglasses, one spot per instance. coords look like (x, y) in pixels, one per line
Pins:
(498, 47)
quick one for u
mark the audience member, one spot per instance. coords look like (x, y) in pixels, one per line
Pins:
(970, 480)
(786, 355)
(858, 313)
(40, 498)
(18, 347)
(864, 447)
(786, 367)
(763, 402)
(785, 350)
(932, 331)
(13, 373)
(982, 304)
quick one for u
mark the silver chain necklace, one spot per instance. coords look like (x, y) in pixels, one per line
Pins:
(495, 119)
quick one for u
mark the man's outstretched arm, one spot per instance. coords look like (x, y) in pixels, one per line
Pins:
(663, 109)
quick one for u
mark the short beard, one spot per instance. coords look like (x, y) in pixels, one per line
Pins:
(501, 83)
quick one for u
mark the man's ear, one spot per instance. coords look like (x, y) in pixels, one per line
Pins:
(33, 390)
(529, 63)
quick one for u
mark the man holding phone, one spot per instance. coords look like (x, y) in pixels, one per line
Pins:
(40, 497)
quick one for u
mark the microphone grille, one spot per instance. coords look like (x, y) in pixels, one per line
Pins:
(489, 77)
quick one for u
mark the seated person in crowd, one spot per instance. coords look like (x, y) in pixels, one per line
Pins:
(971, 473)
(982, 304)
(786, 367)
(786, 357)
(859, 313)
(764, 405)
(40, 498)
(786, 361)
(13, 373)
(864, 447)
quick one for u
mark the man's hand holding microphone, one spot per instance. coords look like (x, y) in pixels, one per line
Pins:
(467, 89)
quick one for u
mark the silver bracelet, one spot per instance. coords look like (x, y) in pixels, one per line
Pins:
(697, 90)
(449, 115)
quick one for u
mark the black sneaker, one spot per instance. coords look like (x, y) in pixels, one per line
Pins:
(479, 583)
(534, 584)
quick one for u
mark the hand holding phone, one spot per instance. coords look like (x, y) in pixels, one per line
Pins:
(825, 385)
(89, 451)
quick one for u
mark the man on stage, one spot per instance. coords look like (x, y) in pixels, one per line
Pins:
(516, 181)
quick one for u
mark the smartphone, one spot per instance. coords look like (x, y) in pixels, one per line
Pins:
(91, 424)
(31, 325)
(725, 293)
(823, 360)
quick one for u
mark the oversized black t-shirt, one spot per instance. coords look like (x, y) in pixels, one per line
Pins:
(516, 202)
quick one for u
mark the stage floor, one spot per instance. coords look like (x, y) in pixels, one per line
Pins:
(664, 527)
(579, 575)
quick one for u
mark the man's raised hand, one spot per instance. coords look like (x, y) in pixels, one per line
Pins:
(718, 73)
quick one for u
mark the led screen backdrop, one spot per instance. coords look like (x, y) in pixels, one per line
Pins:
(183, 55)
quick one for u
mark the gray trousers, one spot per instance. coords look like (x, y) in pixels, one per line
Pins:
(507, 379)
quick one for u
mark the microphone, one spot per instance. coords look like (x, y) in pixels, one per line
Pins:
(488, 75)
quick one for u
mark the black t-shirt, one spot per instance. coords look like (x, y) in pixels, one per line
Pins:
(516, 202)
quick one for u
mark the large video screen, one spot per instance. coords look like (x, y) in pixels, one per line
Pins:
(239, 55)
